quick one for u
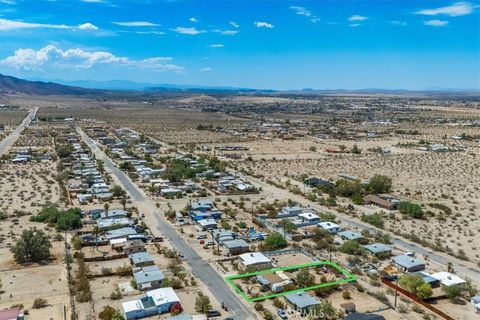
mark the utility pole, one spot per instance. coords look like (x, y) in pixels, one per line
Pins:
(396, 291)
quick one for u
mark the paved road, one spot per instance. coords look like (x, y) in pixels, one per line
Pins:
(200, 267)
(6, 143)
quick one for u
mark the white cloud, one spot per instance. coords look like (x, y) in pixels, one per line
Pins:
(263, 24)
(454, 10)
(76, 58)
(206, 69)
(193, 19)
(301, 11)
(87, 26)
(354, 25)
(226, 32)
(150, 32)
(357, 17)
(216, 45)
(136, 24)
(435, 23)
(189, 31)
(93, 1)
(7, 25)
(234, 24)
(398, 23)
(8, 1)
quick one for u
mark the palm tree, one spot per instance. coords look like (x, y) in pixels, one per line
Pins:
(450, 267)
(106, 206)
(123, 201)
(96, 231)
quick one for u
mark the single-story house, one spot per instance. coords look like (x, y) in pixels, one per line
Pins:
(155, 302)
(207, 224)
(202, 205)
(141, 259)
(379, 202)
(200, 215)
(12, 314)
(427, 278)
(133, 246)
(275, 282)
(169, 192)
(350, 235)
(222, 235)
(120, 233)
(331, 227)
(113, 213)
(117, 244)
(448, 279)
(114, 223)
(302, 301)
(290, 211)
(149, 277)
(408, 264)
(309, 217)
(236, 247)
(255, 260)
(378, 249)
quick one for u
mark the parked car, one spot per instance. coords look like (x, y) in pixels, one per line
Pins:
(213, 313)
(282, 314)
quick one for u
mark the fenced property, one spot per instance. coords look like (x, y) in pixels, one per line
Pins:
(348, 277)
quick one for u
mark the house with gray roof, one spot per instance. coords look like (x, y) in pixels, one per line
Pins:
(302, 301)
(141, 259)
(236, 247)
(149, 277)
(350, 235)
(408, 264)
(379, 249)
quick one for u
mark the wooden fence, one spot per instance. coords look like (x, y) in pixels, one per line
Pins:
(417, 300)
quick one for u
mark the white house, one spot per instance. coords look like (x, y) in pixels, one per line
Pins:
(256, 260)
(448, 279)
(331, 227)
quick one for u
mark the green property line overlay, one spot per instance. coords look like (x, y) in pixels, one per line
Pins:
(349, 277)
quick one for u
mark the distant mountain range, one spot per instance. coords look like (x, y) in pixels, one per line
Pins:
(12, 85)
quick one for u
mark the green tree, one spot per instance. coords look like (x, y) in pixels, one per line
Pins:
(424, 291)
(305, 279)
(351, 247)
(117, 191)
(380, 184)
(412, 209)
(274, 241)
(347, 188)
(202, 303)
(109, 313)
(452, 292)
(357, 198)
(68, 220)
(33, 245)
(416, 285)
(375, 219)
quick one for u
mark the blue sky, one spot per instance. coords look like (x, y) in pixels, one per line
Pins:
(257, 44)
